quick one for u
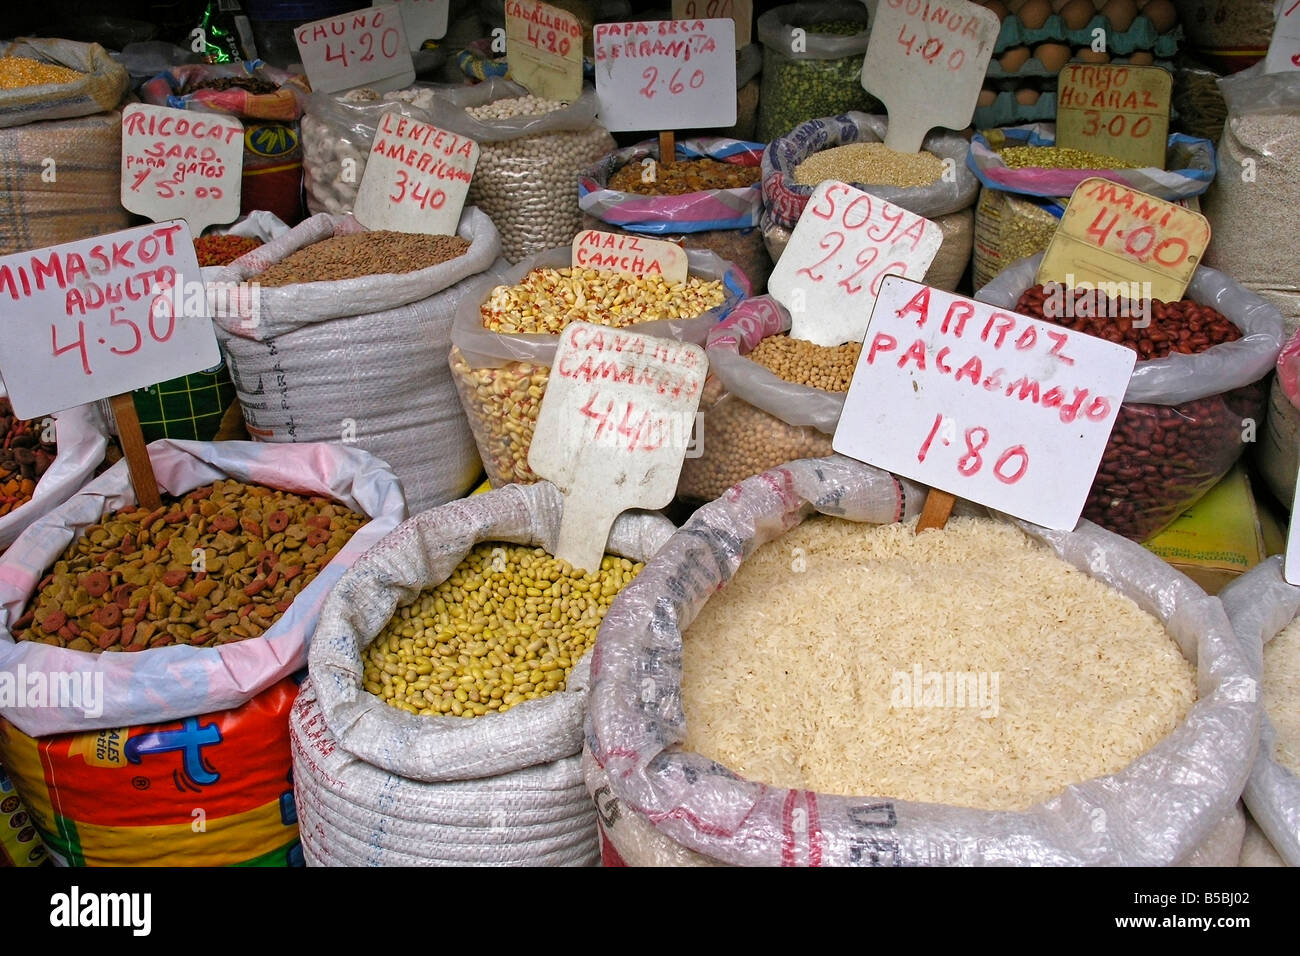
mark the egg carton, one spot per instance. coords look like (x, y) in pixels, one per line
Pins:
(1005, 111)
(1142, 35)
(1033, 68)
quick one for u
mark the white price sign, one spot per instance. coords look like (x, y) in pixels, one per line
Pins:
(666, 74)
(178, 164)
(1284, 50)
(740, 12)
(544, 49)
(991, 406)
(613, 429)
(1291, 564)
(610, 252)
(416, 179)
(844, 244)
(421, 19)
(367, 47)
(102, 316)
(918, 48)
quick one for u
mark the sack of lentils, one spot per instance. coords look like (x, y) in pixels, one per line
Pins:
(531, 152)
(197, 606)
(709, 198)
(1197, 393)
(1264, 609)
(45, 462)
(1250, 203)
(503, 342)
(861, 723)
(348, 343)
(442, 723)
(769, 399)
(812, 64)
(1027, 180)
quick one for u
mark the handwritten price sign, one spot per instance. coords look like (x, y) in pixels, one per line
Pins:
(1120, 111)
(991, 406)
(1112, 233)
(178, 164)
(364, 48)
(613, 429)
(917, 48)
(740, 12)
(416, 179)
(544, 48)
(421, 19)
(666, 74)
(638, 255)
(844, 244)
(98, 317)
(1284, 49)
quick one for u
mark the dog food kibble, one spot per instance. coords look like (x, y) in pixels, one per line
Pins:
(218, 250)
(363, 254)
(870, 163)
(803, 363)
(253, 84)
(502, 403)
(24, 458)
(17, 72)
(509, 625)
(682, 177)
(1059, 157)
(217, 565)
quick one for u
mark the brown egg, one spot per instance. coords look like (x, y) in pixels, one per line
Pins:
(1014, 59)
(1162, 15)
(1120, 14)
(1057, 4)
(1076, 14)
(1088, 55)
(998, 9)
(1027, 96)
(1053, 56)
(986, 98)
(1142, 58)
(1035, 13)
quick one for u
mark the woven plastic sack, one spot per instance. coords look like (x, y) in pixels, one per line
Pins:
(501, 377)
(377, 785)
(171, 683)
(1189, 161)
(361, 360)
(1261, 605)
(722, 220)
(81, 438)
(1199, 408)
(821, 74)
(100, 90)
(784, 199)
(1159, 810)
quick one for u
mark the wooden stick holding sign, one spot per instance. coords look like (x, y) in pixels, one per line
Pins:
(936, 511)
(99, 318)
(613, 429)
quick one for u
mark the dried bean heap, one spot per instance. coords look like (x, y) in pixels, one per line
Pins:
(129, 582)
(818, 366)
(24, 458)
(218, 250)
(1160, 458)
(1059, 157)
(17, 72)
(381, 252)
(684, 176)
(508, 625)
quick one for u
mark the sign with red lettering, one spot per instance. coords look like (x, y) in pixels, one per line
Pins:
(178, 164)
(918, 47)
(638, 255)
(666, 74)
(1120, 111)
(1284, 49)
(613, 429)
(1112, 233)
(1004, 410)
(844, 244)
(416, 179)
(421, 19)
(366, 47)
(544, 49)
(102, 316)
(740, 12)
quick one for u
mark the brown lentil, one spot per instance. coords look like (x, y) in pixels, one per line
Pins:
(128, 583)
(379, 252)
(17, 72)
(871, 164)
(684, 176)
(508, 625)
(219, 250)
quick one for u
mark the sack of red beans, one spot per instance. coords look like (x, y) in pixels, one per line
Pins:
(1196, 397)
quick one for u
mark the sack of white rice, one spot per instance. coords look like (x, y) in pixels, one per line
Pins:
(779, 691)
(442, 721)
(1265, 613)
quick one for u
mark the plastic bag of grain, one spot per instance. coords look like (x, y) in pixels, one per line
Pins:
(1200, 410)
(380, 786)
(659, 803)
(360, 360)
(752, 418)
(501, 376)
(1263, 609)
(98, 90)
(724, 220)
(176, 682)
(1278, 454)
